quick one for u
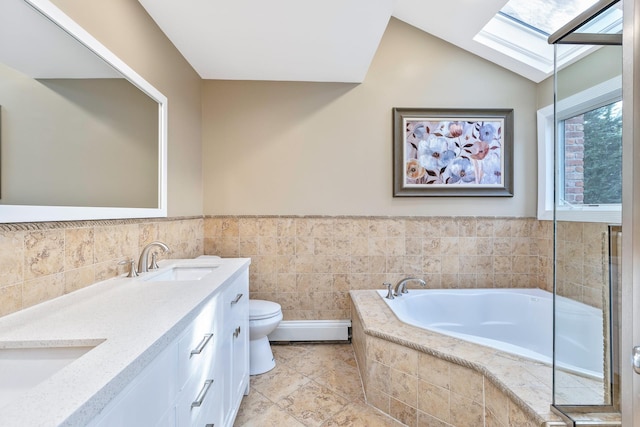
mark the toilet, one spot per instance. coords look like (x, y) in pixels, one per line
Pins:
(264, 317)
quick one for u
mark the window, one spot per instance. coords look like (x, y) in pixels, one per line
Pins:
(520, 30)
(589, 156)
(547, 16)
(590, 153)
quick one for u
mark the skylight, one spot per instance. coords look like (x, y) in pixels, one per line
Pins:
(520, 31)
(546, 16)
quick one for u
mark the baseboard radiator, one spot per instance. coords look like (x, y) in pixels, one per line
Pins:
(312, 330)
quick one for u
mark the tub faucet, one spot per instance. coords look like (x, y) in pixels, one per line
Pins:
(143, 263)
(401, 286)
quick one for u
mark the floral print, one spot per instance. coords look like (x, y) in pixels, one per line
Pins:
(453, 152)
(434, 153)
(414, 170)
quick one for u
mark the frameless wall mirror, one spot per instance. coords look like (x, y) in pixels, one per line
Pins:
(588, 201)
(82, 136)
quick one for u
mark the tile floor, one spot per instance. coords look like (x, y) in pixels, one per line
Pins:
(312, 385)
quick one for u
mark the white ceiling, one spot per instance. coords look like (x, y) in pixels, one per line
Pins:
(313, 40)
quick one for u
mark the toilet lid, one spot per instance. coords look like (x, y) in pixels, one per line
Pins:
(260, 309)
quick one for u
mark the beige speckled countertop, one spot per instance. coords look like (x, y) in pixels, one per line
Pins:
(526, 382)
(133, 320)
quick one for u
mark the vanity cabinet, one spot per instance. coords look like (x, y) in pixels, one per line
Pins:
(148, 398)
(198, 374)
(200, 378)
(235, 354)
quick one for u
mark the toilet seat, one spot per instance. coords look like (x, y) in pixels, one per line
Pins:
(260, 309)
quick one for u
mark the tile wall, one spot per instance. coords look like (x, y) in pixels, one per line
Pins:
(421, 390)
(583, 262)
(309, 264)
(41, 261)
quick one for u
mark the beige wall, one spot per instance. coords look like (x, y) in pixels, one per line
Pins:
(325, 148)
(125, 28)
(302, 149)
(600, 66)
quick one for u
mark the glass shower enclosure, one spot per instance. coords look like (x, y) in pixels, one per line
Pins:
(587, 215)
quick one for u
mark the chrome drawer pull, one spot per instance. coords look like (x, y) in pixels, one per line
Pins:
(202, 394)
(202, 344)
(235, 301)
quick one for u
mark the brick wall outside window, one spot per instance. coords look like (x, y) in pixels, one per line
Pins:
(574, 160)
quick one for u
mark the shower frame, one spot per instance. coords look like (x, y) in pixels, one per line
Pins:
(568, 34)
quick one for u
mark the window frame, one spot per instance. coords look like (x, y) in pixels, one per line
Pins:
(595, 97)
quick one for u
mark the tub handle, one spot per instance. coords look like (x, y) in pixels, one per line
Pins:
(389, 290)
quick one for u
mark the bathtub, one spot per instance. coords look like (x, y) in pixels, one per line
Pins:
(517, 321)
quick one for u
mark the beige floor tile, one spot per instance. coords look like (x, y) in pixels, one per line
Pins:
(344, 380)
(312, 385)
(278, 383)
(272, 417)
(311, 365)
(285, 352)
(312, 404)
(252, 406)
(358, 414)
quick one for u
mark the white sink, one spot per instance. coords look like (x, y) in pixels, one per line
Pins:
(178, 273)
(25, 368)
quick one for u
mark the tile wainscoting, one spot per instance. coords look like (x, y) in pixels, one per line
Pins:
(41, 261)
(309, 264)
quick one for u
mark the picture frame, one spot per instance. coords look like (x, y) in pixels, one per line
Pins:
(452, 152)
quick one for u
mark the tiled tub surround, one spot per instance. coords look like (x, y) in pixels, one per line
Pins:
(41, 261)
(309, 264)
(423, 378)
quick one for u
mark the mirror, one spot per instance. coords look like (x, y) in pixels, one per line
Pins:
(82, 136)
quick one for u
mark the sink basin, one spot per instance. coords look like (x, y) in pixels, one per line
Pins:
(181, 274)
(25, 368)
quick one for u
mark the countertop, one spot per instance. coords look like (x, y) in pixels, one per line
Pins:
(131, 320)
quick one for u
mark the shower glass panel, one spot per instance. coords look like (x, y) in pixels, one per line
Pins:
(587, 214)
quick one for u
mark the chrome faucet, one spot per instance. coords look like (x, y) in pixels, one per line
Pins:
(143, 263)
(401, 286)
(389, 290)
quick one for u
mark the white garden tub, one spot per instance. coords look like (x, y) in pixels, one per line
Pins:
(517, 321)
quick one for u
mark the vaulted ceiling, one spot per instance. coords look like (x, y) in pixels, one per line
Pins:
(314, 40)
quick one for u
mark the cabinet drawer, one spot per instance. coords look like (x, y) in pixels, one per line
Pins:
(200, 402)
(235, 301)
(197, 345)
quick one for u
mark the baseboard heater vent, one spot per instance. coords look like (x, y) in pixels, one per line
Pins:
(312, 330)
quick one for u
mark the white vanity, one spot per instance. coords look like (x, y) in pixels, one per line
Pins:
(168, 348)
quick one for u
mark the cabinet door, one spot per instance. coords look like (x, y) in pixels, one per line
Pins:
(145, 400)
(235, 347)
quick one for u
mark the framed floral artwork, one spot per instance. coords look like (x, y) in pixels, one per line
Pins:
(452, 152)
